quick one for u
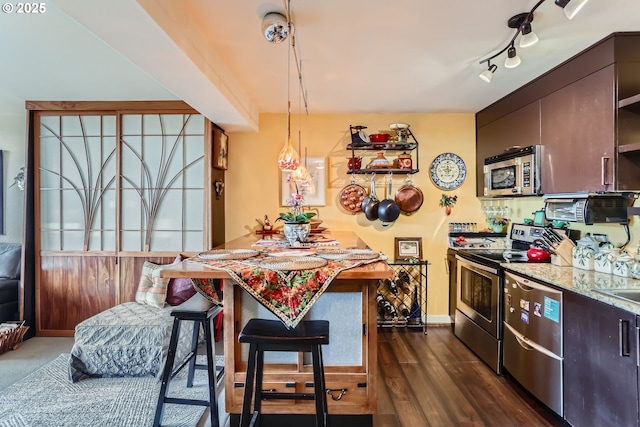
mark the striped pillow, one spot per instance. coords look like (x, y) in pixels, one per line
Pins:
(152, 289)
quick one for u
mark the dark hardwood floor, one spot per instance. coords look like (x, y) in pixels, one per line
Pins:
(434, 380)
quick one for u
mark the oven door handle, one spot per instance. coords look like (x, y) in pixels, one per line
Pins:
(476, 266)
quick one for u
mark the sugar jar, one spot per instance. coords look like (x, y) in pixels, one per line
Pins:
(605, 257)
(623, 265)
(583, 257)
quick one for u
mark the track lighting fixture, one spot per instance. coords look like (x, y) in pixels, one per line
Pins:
(522, 24)
(487, 74)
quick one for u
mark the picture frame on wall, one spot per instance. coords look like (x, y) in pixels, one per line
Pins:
(407, 248)
(314, 192)
(220, 149)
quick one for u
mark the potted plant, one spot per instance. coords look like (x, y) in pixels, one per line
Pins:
(497, 224)
(296, 222)
(447, 202)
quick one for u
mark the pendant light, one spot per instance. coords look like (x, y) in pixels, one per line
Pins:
(288, 159)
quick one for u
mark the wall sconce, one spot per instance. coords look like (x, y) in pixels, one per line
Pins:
(522, 24)
(19, 180)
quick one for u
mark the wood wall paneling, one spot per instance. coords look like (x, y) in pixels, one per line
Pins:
(73, 288)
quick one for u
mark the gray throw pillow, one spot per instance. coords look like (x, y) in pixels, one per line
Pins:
(10, 263)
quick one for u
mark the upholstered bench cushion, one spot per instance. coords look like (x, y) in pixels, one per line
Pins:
(130, 339)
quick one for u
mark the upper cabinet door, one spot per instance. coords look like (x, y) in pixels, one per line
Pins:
(519, 128)
(578, 135)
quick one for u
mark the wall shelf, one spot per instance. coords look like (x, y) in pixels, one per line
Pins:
(630, 103)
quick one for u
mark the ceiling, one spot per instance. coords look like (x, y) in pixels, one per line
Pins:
(358, 56)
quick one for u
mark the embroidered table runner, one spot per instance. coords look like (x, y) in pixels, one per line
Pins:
(287, 294)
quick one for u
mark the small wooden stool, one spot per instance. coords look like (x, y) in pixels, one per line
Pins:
(271, 335)
(202, 312)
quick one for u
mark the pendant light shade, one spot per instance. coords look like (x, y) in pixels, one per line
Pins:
(288, 159)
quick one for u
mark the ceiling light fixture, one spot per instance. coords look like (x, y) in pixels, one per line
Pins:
(522, 24)
(288, 159)
(275, 27)
(487, 74)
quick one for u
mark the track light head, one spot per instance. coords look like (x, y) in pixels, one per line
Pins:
(487, 74)
(513, 60)
(571, 7)
(528, 37)
(275, 27)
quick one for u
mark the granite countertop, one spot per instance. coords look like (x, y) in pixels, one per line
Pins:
(580, 281)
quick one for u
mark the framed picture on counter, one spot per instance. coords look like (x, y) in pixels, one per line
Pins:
(407, 248)
(314, 190)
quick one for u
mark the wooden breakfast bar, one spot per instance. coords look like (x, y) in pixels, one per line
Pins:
(350, 360)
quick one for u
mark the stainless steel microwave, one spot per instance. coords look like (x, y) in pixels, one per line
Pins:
(516, 172)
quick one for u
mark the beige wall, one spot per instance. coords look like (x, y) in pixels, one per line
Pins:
(253, 183)
(12, 142)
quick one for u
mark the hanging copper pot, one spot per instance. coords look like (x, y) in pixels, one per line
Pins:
(409, 198)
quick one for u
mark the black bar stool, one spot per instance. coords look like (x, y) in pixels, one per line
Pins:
(272, 335)
(201, 312)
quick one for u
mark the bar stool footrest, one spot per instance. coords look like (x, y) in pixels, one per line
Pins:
(180, 401)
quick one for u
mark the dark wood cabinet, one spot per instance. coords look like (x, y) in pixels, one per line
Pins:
(600, 372)
(521, 128)
(578, 132)
(588, 120)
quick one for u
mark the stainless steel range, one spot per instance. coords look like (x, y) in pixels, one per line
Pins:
(480, 288)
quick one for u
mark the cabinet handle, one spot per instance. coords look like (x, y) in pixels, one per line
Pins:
(446, 265)
(604, 166)
(623, 336)
(342, 391)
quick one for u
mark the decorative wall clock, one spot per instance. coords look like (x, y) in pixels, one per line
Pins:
(448, 171)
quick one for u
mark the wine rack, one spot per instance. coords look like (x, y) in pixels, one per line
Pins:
(402, 301)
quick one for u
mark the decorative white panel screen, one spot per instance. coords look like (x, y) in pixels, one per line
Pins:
(162, 182)
(77, 182)
(160, 193)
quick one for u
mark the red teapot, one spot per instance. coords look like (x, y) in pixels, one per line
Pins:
(538, 253)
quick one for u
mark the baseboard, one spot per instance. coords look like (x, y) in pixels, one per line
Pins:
(439, 319)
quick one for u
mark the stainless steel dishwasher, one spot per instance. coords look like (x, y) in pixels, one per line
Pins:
(532, 346)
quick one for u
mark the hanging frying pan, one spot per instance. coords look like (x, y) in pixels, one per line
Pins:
(352, 196)
(409, 198)
(370, 204)
(388, 209)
